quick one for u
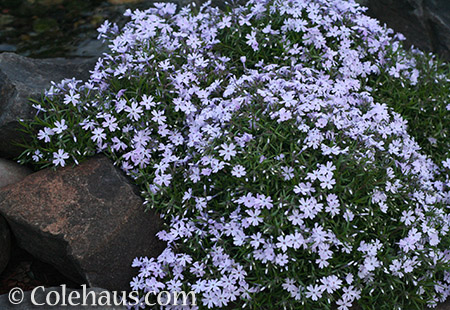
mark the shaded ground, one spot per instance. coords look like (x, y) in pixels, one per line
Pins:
(27, 272)
(60, 28)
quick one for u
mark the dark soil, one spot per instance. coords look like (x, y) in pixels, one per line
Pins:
(27, 272)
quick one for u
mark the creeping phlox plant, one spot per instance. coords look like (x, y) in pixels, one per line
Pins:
(255, 133)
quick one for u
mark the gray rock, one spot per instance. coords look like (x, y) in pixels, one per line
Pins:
(89, 47)
(22, 78)
(5, 244)
(425, 23)
(11, 172)
(41, 302)
(87, 221)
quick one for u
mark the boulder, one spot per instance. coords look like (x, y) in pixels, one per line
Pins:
(425, 23)
(44, 296)
(22, 78)
(11, 172)
(5, 244)
(87, 221)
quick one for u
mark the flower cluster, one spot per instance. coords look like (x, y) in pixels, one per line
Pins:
(256, 135)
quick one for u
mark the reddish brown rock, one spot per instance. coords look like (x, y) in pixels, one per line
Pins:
(87, 221)
(444, 306)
